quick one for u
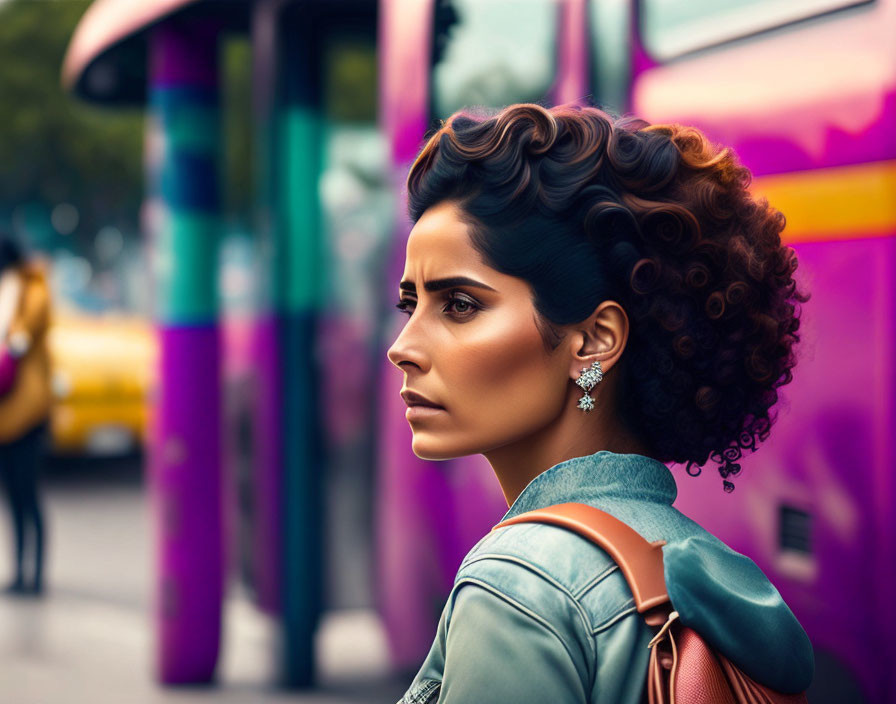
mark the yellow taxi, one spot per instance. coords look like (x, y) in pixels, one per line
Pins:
(104, 369)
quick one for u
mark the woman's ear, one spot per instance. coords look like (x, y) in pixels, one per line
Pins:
(600, 337)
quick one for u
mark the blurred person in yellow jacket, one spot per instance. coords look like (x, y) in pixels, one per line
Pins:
(25, 396)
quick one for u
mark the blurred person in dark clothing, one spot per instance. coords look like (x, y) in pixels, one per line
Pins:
(24, 401)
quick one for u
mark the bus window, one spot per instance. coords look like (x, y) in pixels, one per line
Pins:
(492, 53)
(670, 28)
(609, 23)
(357, 216)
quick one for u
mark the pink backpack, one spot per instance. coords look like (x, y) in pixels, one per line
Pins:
(683, 668)
(9, 364)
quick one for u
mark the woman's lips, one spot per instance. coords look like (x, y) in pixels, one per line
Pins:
(422, 412)
(412, 398)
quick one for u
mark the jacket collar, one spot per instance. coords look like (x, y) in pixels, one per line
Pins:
(594, 478)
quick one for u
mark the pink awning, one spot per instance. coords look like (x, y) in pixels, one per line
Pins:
(106, 58)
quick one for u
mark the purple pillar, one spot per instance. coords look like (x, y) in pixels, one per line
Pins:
(185, 446)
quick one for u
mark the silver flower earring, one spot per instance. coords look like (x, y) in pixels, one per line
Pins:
(588, 379)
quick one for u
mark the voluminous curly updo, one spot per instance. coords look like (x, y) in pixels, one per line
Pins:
(586, 207)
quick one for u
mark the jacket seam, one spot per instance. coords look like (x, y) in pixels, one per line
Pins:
(420, 693)
(476, 547)
(617, 617)
(531, 567)
(488, 538)
(594, 581)
(583, 613)
(531, 614)
(586, 623)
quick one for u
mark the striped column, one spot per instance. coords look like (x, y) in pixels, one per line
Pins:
(299, 264)
(185, 452)
(289, 461)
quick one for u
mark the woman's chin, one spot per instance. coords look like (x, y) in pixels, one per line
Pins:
(428, 449)
(427, 452)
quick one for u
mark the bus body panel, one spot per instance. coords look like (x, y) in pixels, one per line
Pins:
(810, 110)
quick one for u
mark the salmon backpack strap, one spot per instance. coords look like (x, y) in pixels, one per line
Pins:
(641, 562)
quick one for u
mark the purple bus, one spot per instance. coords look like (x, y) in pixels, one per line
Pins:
(805, 92)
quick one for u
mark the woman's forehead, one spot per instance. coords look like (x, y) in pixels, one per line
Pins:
(440, 227)
(440, 242)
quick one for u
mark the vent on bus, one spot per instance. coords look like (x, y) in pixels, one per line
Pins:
(795, 530)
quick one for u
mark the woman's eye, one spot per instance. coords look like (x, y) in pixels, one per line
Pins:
(403, 305)
(460, 306)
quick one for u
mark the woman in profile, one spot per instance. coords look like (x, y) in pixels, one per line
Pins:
(590, 298)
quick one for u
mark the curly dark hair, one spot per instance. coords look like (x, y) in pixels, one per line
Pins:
(586, 207)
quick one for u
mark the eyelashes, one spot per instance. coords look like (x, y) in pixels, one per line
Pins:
(404, 305)
(457, 305)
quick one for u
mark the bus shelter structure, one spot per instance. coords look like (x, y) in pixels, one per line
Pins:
(165, 55)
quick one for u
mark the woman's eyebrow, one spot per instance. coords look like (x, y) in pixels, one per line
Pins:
(440, 284)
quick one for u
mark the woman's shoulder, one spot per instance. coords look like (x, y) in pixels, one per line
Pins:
(565, 558)
(560, 556)
(552, 572)
(537, 557)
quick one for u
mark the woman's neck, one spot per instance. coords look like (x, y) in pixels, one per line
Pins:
(573, 434)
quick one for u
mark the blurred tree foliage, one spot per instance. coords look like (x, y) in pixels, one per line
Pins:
(350, 82)
(236, 127)
(54, 148)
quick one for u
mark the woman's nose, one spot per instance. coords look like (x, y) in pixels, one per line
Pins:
(394, 354)
(407, 349)
(397, 353)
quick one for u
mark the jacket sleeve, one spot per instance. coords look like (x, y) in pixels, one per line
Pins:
(499, 652)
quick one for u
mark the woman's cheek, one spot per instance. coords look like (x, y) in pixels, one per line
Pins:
(503, 380)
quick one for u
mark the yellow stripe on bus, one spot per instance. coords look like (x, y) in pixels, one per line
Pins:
(839, 203)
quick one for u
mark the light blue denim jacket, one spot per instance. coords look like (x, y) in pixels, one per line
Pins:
(538, 614)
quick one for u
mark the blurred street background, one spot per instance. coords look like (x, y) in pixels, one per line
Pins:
(88, 639)
(202, 226)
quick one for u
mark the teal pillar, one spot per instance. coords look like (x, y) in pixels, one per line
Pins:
(298, 270)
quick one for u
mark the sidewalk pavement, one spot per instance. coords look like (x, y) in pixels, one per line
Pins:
(70, 647)
(90, 639)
